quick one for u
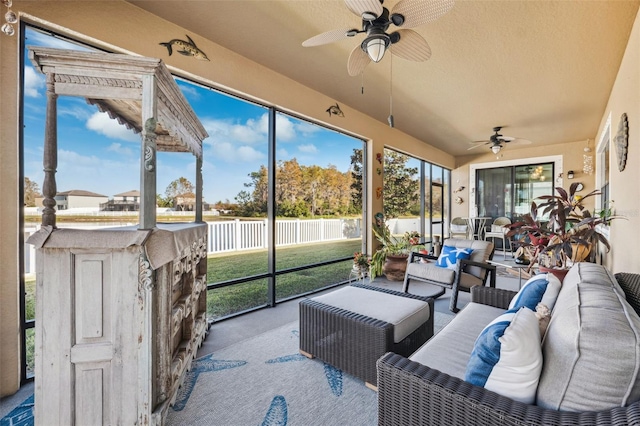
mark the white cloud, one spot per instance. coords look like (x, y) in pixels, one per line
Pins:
(249, 154)
(41, 39)
(285, 129)
(119, 149)
(33, 82)
(255, 130)
(309, 148)
(101, 123)
(97, 174)
(231, 153)
(232, 132)
(189, 92)
(283, 154)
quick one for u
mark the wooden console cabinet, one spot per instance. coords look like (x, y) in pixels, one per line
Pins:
(119, 312)
(119, 324)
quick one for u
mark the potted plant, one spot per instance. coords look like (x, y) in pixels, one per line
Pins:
(570, 235)
(360, 264)
(393, 252)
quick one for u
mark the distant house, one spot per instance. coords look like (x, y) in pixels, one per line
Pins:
(76, 199)
(124, 202)
(185, 202)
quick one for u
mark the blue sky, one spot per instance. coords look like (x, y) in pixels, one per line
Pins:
(97, 154)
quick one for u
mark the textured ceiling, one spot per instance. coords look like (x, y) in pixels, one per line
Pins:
(542, 69)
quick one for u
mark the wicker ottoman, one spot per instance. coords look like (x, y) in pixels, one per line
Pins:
(352, 327)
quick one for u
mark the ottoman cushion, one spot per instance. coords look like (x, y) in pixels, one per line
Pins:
(404, 313)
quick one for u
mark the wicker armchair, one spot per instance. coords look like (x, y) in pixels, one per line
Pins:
(468, 272)
(410, 393)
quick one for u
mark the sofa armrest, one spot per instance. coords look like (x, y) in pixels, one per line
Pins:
(496, 297)
(410, 393)
(630, 284)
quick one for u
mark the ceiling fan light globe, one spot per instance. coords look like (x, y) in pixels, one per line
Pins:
(375, 47)
(496, 148)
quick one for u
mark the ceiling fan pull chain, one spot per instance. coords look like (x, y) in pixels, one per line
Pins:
(390, 119)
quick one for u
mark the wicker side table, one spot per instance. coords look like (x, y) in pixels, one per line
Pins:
(353, 342)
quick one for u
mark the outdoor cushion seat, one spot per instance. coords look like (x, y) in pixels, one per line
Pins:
(465, 274)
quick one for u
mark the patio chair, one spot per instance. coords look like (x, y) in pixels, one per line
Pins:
(461, 275)
(459, 227)
(499, 230)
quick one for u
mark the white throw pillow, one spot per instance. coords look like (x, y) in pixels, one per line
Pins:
(507, 357)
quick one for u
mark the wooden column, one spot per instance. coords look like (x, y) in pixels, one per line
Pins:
(50, 160)
(199, 189)
(148, 154)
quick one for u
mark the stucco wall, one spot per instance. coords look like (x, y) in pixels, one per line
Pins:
(625, 191)
(9, 299)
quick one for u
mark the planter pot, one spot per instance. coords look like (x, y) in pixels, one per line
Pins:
(579, 252)
(360, 271)
(559, 273)
(395, 267)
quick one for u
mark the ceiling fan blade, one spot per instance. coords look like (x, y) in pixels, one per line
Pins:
(358, 61)
(505, 138)
(411, 46)
(362, 7)
(328, 37)
(519, 141)
(477, 144)
(419, 12)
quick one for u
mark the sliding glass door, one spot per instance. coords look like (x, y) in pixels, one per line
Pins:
(509, 191)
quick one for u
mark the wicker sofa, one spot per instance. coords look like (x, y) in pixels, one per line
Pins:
(589, 352)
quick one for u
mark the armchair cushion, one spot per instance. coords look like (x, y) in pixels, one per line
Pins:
(481, 252)
(507, 357)
(449, 256)
(459, 229)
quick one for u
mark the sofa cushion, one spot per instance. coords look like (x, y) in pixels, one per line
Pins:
(541, 288)
(450, 255)
(507, 357)
(592, 346)
(449, 350)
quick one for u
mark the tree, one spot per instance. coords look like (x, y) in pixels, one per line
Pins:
(357, 175)
(181, 193)
(163, 202)
(400, 187)
(31, 192)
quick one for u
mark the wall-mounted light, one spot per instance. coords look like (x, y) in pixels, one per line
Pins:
(570, 174)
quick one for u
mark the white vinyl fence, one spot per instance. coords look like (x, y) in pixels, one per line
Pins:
(238, 235)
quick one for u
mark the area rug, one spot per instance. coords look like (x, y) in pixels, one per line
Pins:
(263, 381)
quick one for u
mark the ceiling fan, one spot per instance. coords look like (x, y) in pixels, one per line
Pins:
(376, 20)
(496, 140)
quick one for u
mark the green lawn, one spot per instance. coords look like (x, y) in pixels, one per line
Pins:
(228, 300)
